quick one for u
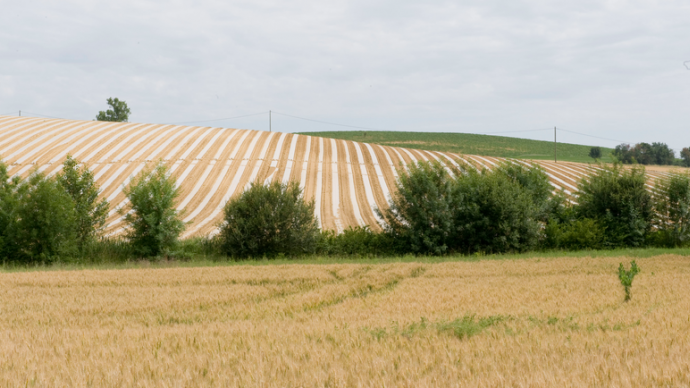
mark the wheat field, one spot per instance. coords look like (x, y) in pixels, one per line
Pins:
(347, 180)
(531, 322)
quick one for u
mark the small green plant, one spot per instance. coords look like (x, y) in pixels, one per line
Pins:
(626, 277)
(467, 326)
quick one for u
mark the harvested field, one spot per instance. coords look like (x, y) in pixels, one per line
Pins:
(532, 322)
(346, 179)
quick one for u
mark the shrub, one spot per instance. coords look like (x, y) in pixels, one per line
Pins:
(153, 224)
(8, 208)
(420, 216)
(357, 241)
(672, 211)
(42, 223)
(576, 234)
(267, 220)
(534, 180)
(685, 157)
(595, 153)
(90, 214)
(617, 199)
(495, 212)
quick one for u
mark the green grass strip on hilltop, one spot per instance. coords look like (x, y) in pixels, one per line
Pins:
(471, 144)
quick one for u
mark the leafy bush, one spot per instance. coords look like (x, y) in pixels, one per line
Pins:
(8, 208)
(672, 211)
(685, 157)
(496, 212)
(41, 223)
(267, 220)
(617, 199)
(357, 241)
(153, 224)
(90, 214)
(645, 153)
(576, 234)
(434, 212)
(420, 215)
(595, 153)
(534, 180)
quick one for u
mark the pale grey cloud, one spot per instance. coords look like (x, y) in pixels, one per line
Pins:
(613, 69)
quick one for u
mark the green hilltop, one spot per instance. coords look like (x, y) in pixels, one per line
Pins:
(464, 143)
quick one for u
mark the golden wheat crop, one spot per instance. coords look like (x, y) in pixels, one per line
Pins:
(552, 322)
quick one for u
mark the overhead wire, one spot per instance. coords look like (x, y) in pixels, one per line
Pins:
(355, 126)
(327, 122)
(596, 137)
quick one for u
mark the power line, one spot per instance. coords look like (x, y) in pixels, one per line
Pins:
(596, 137)
(326, 122)
(227, 118)
(8, 113)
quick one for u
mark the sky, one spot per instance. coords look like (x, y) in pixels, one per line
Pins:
(612, 70)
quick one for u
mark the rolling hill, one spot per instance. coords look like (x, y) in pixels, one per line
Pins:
(346, 179)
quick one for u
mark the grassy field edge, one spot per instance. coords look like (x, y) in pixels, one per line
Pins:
(209, 261)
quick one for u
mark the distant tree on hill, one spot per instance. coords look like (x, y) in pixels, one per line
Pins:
(119, 112)
(595, 153)
(624, 153)
(645, 153)
(662, 154)
(685, 156)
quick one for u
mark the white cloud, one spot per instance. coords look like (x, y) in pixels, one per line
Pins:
(612, 69)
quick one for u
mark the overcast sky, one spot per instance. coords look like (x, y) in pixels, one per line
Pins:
(612, 69)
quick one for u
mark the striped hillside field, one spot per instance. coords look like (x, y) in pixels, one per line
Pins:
(347, 180)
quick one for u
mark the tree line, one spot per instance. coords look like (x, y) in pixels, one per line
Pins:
(646, 154)
(436, 209)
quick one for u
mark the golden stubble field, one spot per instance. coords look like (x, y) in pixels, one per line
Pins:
(536, 322)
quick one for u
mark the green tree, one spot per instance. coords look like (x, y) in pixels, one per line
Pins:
(624, 153)
(672, 210)
(43, 227)
(595, 153)
(90, 214)
(8, 208)
(495, 212)
(420, 214)
(268, 220)
(662, 154)
(617, 199)
(685, 155)
(153, 224)
(119, 112)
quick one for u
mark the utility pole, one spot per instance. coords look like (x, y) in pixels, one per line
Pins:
(555, 159)
(20, 113)
(269, 122)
